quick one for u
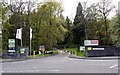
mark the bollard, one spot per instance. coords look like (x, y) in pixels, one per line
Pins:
(33, 53)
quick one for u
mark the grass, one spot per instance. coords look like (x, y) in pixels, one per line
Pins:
(71, 49)
(55, 51)
(80, 53)
(40, 55)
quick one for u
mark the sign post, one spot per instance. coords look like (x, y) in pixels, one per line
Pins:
(11, 46)
(30, 39)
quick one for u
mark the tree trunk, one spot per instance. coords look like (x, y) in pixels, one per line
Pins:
(106, 31)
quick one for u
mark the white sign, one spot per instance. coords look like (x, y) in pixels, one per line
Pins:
(11, 50)
(82, 48)
(98, 48)
(91, 42)
(30, 33)
(19, 33)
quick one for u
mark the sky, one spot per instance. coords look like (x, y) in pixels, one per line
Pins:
(69, 6)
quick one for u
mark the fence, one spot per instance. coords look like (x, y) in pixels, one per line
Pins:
(102, 51)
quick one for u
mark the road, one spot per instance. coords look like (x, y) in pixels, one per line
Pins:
(61, 63)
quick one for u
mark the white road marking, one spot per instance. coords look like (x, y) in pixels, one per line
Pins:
(29, 70)
(2, 71)
(54, 70)
(74, 59)
(36, 70)
(113, 66)
(66, 57)
(102, 60)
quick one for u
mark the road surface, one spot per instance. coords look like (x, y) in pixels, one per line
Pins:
(61, 63)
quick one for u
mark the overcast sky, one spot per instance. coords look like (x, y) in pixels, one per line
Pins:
(69, 6)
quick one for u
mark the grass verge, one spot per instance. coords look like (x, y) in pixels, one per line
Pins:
(74, 50)
(42, 55)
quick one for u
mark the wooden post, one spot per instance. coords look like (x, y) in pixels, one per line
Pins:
(33, 53)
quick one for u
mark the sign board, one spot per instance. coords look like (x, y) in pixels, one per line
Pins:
(22, 50)
(89, 48)
(82, 48)
(30, 33)
(91, 42)
(98, 48)
(11, 42)
(11, 46)
(41, 47)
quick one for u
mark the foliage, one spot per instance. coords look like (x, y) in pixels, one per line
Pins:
(52, 30)
(115, 30)
(79, 27)
(46, 21)
(68, 35)
(104, 8)
(47, 24)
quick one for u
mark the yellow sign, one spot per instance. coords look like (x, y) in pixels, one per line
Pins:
(89, 48)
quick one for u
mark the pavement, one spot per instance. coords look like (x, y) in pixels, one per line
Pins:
(96, 58)
(23, 59)
(61, 63)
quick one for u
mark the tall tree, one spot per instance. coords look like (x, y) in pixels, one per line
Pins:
(79, 27)
(68, 35)
(105, 7)
(5, 27)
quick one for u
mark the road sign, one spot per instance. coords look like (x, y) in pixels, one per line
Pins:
(82, 48)
(91, 42)
(11, 46)
(22, 50)
(89, 48)
(11, 42)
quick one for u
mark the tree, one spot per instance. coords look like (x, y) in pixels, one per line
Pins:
(115, 30)
(95, 24)
(17, 14)
(68, 35)
(79, 27)
(48, 25)
(5, 27)
(105, 7)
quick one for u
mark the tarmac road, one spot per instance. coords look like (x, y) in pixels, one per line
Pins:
(61, 63)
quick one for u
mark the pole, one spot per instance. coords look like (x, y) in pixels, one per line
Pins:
(21, 37)
(30, 39)
(33, 53)
(30, 46)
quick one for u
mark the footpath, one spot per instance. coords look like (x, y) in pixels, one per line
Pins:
(96, 58)
(22, 59)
